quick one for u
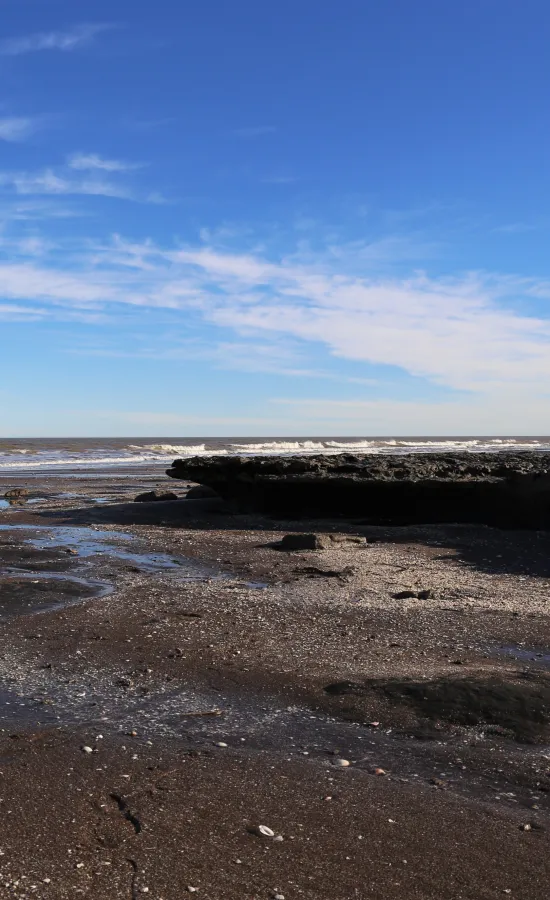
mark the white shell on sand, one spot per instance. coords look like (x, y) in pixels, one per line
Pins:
(263, 831)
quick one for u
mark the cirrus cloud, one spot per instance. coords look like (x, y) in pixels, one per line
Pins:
(467, 336)
(51, 40)
(16, 128)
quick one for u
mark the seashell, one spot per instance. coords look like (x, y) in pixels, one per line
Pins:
(262, 831)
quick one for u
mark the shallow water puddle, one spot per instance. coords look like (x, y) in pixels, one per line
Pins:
(540, 657)
(28, 584)
(88, 542)
(36, 592)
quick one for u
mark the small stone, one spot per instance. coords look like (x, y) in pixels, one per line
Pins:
(374, 724)
(221, 744)
(155, 496)
(526, 827)
(86, 749)
(438, 782)
(278, 838)
(379, 771)
(278, 897)
(341, 763)
(47, 880)
(192, 890)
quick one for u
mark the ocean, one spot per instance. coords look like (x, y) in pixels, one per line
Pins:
(30, 455)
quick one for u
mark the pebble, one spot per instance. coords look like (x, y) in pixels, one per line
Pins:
(264, 831)
(278, 838)
(526, 827)
(380, 772)
(342, 763)
(87, 750)
(192, 890)
(221, 744)
(278, 897)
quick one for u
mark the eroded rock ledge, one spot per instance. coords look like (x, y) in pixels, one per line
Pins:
(503, 489)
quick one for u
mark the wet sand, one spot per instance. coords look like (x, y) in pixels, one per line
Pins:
(151, 634)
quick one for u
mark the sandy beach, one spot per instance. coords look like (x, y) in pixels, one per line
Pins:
(172, 679)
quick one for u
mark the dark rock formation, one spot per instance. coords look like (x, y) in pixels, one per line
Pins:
(503, 489)
(154, 497)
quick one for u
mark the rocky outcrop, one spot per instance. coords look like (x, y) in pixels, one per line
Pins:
(506, 489)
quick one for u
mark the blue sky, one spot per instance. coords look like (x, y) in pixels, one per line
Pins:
(283, 218)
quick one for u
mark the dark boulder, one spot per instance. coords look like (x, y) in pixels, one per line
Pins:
(317, 541)
(153, 496)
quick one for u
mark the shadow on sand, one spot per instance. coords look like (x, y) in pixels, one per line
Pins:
(490, 550)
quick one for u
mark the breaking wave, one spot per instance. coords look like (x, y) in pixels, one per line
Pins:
(57, 454)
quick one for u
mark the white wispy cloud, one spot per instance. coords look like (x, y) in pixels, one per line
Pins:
(451, 331)
(9, 312)
(467, 334)
(279, 179)
(81, 174)
(92, 161)
(16, 128)
(51, 40)
(49, 182)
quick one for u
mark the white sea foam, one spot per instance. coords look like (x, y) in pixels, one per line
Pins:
(82, 454)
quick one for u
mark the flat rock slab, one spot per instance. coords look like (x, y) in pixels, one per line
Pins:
(361, 467)
(503, 489)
